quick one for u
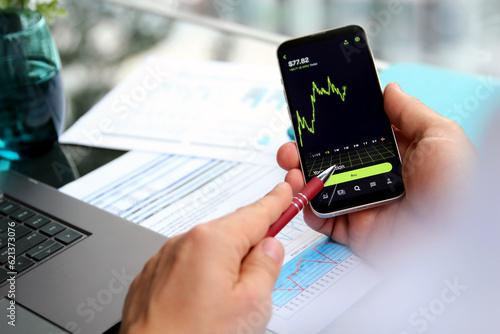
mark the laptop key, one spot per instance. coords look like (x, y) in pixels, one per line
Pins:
(68, 236)
(33, 236)
(3, 239)
(21, 231)
(22, 214)
(21, 264)
(37, 221)
(49, 251)
(4, 224)
(7, 207)
(3, 275)
(29, 241)
(4, 253)
(52, 229)
(37, 249)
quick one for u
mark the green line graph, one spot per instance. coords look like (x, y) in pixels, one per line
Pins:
(329, 90)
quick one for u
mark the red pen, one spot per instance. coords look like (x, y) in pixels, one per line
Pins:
(311, 189)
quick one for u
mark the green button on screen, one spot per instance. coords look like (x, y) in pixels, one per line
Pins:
(359, 174)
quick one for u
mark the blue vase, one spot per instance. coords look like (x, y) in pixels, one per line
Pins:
(32, 103)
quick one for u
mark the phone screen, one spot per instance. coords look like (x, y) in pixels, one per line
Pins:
(336, 106)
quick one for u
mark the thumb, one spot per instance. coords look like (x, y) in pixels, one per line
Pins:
(261, 267)
(408, 113)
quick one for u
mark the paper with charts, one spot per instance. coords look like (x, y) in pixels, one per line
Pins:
(170, 194)
(209, 109)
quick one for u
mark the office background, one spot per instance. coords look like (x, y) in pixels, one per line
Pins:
(97, 40)
(463, 34)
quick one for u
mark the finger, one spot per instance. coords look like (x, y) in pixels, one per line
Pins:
(248, 225)
(261, 268)
(315, 222)
(408, 113)
(138, 295)
(335, 227)
(402, 140)
(340, 230)
(351, 230)
(161, 268)
(296, 179)
(359, 227)
(229, 238)
(288, 156)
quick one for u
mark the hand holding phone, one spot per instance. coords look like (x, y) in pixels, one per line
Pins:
(439, 168)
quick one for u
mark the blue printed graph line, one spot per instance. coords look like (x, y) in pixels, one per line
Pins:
(295, 225)
(307, 268)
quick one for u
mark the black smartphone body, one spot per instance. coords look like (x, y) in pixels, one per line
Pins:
(336, 106)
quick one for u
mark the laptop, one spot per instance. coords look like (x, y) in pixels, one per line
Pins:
(71, 264)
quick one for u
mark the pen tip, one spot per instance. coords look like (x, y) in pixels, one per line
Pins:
(325, 175)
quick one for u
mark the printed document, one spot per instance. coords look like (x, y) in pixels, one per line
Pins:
(208, 109)
(170, 194)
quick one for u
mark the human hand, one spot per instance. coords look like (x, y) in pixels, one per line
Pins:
(438, 161)
(217, 278)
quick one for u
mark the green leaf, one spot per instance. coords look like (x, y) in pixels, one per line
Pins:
(48, 9)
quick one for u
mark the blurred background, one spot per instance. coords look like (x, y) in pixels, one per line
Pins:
(102, 41)
(463, 34)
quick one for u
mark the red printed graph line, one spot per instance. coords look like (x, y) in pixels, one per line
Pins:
(299, 288)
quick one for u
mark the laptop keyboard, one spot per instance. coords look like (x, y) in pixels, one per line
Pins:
(37, 237)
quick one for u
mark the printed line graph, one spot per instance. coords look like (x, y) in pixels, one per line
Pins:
(307, 268)
(329, 90)
(298, 287)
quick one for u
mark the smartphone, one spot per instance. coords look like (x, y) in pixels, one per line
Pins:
(336, 105)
